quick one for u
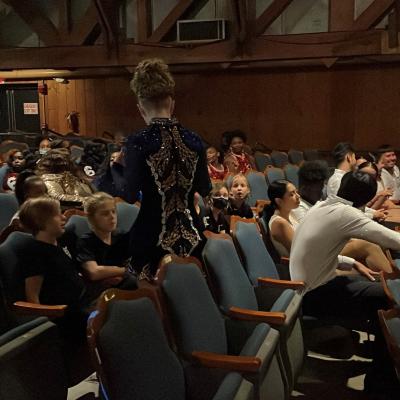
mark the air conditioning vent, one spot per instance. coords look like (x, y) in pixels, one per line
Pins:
(207, 30)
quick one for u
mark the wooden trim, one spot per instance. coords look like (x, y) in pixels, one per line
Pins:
(341, 15)
(35, 18)
(270, 15)
(230, 363)
(25, 307)
(372, 15)
(385, 276)
(217, 236)
(169, 259)
(235, 219)
(281, 283)
(270, 317)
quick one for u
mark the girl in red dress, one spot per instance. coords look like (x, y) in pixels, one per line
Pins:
(216, 169)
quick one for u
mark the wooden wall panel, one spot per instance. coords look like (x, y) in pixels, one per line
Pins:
(303, 108)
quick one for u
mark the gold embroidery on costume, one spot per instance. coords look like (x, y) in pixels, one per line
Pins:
(173, 168)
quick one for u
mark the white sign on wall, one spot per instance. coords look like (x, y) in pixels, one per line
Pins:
(31, 108)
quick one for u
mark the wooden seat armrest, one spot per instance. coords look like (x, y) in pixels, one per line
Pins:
(25, 307)
(285, 260)
(273, 318)
(281, 283)
(223, 361)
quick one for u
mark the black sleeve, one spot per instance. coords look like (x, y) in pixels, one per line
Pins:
(31, 266)
(202, 181)
(248, 212)
(85, 251)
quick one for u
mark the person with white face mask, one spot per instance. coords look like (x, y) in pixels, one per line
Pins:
(44, 146)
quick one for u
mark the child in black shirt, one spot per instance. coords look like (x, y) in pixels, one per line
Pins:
(51, 276)
(104, 253)
(214, 219)
(239, 190)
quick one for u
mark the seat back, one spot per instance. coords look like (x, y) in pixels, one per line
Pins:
(232, 284)
(256, 259)
(296, 157)
(126, 216)
(10, 274)
(390, 323)
(8, 207)
(198, 324)
(274, 174)
(262, 160)
(136, 360)
(279, 159)
(258, 187)
(78, 225)
(391, 286)
(292, 174)
(31, 363)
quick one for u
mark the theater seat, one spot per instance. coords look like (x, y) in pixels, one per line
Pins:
(8, 207)
(296, 157)
(234, 290)
(134, 360)
(390, 323)
(126, 216)
(279, 159)
(258, 187)
(274, 174)
(78, 225)
(31, 363)
(262, 160)
(202, 334)
(391, 285)
(292, 174)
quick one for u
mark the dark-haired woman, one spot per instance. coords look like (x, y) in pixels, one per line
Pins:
(237, 160)
(284, 198)
(167, 163)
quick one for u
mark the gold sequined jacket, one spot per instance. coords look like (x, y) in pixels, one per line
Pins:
(66, 187)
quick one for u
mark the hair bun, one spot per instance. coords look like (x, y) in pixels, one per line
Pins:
(152, 80)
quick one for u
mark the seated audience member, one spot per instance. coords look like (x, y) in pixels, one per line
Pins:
(63, 180)
(103, 253)
(214, 219)
(110, 174)
(345, 159)
(51, 276)
(216, 169)
(239, 190)
(44, 146)
(344, 156)
(381, 199)
(312, 175)
(236, 159)
(16, 163)
(318, 241)
(390, 174)
(312, 178)
(284, 198)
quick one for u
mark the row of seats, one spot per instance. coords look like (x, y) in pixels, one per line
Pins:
(258, 333)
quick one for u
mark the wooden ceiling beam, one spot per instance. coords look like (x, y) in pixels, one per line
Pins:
(270, 15)
(36, 19)
(341, 15)
(182, 8)
(144, 25)
(264, 48)
(64, 16)
(84, 27)
(372, 15)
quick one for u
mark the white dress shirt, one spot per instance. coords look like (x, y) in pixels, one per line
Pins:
(334, 182)
(392, 181)
(323, 233)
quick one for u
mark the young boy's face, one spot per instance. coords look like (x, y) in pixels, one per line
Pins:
(55, 225)
(105, 217)
(240, 188)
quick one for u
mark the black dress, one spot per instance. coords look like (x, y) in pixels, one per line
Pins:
(167, 163)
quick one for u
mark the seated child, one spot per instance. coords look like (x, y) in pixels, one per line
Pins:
(239, 190)
(51, 276)
(214, 219)
(104, 253)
